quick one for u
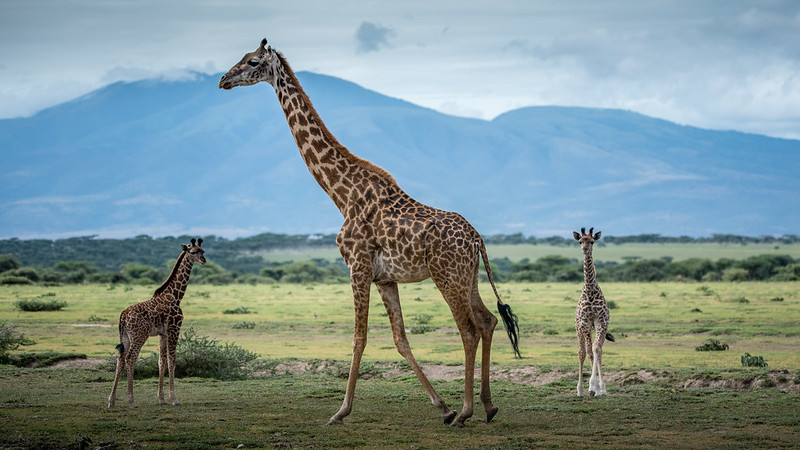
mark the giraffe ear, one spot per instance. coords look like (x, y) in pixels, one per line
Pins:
(597, 236)
(576, 235)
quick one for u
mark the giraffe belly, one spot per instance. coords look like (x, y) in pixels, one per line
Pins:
(399, 268)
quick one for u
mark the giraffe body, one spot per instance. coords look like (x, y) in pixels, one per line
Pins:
(387, 238)
(160, 316)
(592, 312)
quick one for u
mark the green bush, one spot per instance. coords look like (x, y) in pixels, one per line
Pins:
(199, 356)
(239, 310)
(39, 305)
(244, 326)
(8, 262)
(10, 339)
(712, 345)
(14, 280)
(753, 361)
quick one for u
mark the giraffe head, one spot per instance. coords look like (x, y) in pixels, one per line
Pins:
(254, 67)
(195, 252)
(586, 239)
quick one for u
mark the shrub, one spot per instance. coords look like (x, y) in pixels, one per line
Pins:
(239, 310)
(712, 345)
(10, 339)
(39, 305)
(420, 329)
(753, 361)
(612, 304)
(14, 280)
(244, 326)
(741, 299)
(8, 262)
(199, 356)
(422, 319)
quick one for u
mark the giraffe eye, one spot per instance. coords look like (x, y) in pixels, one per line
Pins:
(253, 62)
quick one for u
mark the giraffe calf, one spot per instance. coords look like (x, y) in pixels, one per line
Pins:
(160, 316)
(592, 312)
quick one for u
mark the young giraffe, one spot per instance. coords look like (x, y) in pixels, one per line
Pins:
(160, 316)
(592, 312)
(387, 238)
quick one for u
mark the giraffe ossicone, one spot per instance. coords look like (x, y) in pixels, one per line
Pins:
(592, 312)
(160, 316)
(388, 238)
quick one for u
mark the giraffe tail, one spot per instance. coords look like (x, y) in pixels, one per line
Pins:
(609, 337)
(121, 347)
(510, 320)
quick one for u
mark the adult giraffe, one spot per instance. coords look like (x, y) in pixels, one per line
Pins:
(387, 238)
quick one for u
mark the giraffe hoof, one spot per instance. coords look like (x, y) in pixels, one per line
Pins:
(591, 393)
(448, 419)
(490, 414)
(457, 424)
(334, 421)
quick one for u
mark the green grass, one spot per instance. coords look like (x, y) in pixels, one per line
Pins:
(66, 407)
(657, 326)
(621, 252)
(603, 252)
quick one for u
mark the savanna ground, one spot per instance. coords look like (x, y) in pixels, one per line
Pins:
(662, 393)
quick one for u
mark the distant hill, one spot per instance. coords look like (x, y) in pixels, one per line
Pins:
(173, 157)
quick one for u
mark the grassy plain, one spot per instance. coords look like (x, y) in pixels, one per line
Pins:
(652, 365)
(603, 251)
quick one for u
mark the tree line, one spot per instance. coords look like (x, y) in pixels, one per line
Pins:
(551, 268)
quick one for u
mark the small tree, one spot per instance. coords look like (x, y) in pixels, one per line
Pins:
(8, 262)
(10, 339)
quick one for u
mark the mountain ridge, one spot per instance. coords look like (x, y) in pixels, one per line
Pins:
(173, 157)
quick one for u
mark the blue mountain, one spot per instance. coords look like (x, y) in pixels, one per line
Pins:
(165, 157)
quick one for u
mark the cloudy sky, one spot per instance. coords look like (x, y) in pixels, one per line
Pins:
(721, 64)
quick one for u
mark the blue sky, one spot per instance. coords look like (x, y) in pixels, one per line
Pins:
(727, 64)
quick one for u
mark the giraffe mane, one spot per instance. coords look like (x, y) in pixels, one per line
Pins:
(172, 274)
(360, 162)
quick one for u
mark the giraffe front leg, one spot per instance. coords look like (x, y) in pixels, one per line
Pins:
(162, 365)
(361, 286)
(596, 383)
(172, 355)
(581, 360)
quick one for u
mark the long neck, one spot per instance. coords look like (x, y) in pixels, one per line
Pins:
(330, 163)
(589, 274)
(178, 279)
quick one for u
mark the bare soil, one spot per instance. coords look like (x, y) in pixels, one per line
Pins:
(531, 375)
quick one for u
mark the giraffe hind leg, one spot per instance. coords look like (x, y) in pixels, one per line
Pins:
(487, 321)
(391, 300)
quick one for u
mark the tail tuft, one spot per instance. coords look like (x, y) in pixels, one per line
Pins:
(512, 326)
(609, 337)
(120, 348)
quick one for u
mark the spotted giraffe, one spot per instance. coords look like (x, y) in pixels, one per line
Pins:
(160, 316)
(388, 238)
(592, 311)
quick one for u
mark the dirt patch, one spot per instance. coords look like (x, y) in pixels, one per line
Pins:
(780, 379)
(530, 375)
(80, 363)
